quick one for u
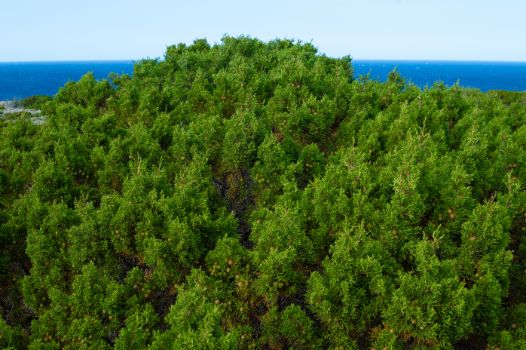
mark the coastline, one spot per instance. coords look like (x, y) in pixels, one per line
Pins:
(10, 107)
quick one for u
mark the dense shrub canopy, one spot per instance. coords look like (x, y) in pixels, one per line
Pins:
(256, 195)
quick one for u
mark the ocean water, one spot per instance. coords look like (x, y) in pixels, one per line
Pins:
(19, 80)
(481, 75)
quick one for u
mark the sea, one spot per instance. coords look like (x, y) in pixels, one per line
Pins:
(22, 79)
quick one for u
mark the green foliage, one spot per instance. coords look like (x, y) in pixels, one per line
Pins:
(255, 195)
(10, 337)
(431, 305)
(194, 320)
(291, 328)
(35, 102)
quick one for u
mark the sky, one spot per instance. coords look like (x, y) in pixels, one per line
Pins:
(481, 30)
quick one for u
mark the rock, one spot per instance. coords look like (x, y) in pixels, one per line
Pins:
(10, 107)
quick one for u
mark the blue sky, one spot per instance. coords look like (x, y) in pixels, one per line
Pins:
(34, 30)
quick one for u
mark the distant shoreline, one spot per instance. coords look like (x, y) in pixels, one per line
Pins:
(10, 107)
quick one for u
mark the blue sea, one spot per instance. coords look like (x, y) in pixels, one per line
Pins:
(19, 80)
(24, 79)
(480, 75)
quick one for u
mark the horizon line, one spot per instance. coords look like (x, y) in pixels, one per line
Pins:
(353, 59)
(75, 61)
